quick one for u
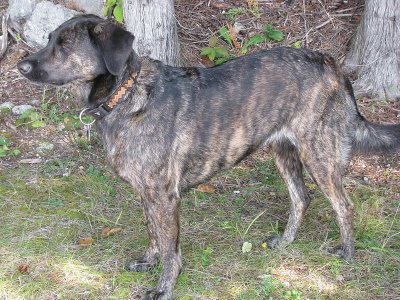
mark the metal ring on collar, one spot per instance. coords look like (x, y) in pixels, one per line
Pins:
(80, 118)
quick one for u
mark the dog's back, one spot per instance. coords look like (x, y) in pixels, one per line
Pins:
(280, 95)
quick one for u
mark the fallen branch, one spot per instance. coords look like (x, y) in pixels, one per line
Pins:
(4, 37)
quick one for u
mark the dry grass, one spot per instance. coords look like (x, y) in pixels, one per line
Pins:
(44, 217)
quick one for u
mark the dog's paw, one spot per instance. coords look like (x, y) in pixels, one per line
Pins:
(156, 294)
(343, 252)
(139, 266)
(275, 242)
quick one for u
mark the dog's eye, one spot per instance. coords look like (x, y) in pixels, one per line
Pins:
(62, 43)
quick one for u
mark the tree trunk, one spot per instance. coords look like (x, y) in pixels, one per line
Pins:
(153, 24)
(375, 53)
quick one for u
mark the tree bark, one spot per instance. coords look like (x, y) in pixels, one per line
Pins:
(375, 53)
(153, 24)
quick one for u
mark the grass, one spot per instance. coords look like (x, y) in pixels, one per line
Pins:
(45, 213)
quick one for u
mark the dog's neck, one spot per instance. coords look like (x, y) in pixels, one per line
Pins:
(93, 93)
(107, 88)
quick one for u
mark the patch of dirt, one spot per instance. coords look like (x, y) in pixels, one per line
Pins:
(323, 25)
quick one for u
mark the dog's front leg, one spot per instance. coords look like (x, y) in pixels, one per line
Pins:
(152, 252)
(162, 215)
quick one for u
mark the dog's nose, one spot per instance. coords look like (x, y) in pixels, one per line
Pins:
(24, 66)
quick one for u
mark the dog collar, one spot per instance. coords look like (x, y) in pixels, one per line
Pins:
(106, 107)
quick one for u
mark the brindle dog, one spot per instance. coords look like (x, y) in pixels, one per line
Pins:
(172, 128)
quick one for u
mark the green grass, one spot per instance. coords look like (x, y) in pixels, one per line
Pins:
(45, 214)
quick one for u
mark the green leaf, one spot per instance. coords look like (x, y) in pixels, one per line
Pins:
(15, 152)
(255, 39)
(213, 41)
(231, 13)
(246, 247)
(297, 45)
(34, 116)
(273, 34)
(37, 124)
(26, 114)
(212, 55)
(224, 32)
(109, 4)
(118, 13)
(206, 51)
(220, 60)
(3, 142)
(221, 52)
(3, 152)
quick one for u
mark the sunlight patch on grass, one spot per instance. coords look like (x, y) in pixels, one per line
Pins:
(236, 288)
(76, 273)
(302, 277)
(8, 292)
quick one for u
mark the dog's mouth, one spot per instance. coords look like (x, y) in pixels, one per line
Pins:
(40, 77)
(39, 82)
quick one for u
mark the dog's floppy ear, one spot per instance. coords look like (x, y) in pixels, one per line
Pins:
(114, 43)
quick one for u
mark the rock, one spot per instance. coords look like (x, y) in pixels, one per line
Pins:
(45, 18)
(34, 102)
(87, 6)
(237, 26)
(20, 109)
(44, 147)
(19, 11)
(6, 106)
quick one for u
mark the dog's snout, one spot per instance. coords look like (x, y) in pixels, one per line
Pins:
(24, 66)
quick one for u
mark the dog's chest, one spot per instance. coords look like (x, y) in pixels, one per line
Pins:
(137, 151)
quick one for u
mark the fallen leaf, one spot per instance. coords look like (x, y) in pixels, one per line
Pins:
(23, 268)
(252, 3)
(88, 241)
(206, 188)
(246, 247)
(106, 232)
(221, 5)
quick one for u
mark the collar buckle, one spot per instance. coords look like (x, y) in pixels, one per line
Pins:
(98, 112)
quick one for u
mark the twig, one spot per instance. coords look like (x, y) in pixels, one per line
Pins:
(208, 274)
(323, 24)
(347, 9)
(344, 15)
(4, 37)
(305, 22)
(330, 18)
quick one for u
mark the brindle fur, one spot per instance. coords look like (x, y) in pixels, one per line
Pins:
(180, 126)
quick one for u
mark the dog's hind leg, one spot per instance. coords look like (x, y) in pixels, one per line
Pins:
(288, 162)
(327, 168)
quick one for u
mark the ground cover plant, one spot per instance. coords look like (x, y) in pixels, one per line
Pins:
(68, 225)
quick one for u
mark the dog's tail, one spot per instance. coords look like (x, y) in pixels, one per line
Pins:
(370, 138)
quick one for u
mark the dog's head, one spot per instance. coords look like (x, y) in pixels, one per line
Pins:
(82, 48)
